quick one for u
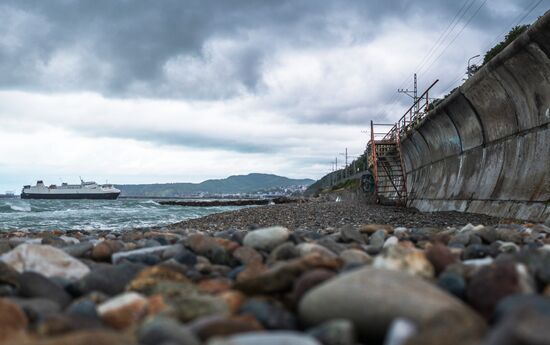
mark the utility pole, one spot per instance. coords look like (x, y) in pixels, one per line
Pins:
(345, 166)
(413, 94)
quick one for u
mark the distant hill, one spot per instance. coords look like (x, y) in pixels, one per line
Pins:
(250, 183)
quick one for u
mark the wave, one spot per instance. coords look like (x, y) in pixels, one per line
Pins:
(150, 202)
(9, 207)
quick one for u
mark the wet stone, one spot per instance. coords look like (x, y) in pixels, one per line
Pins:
(490, 284)
(8, 275)
(46, 260)
(82, 308)
(218, 326)
(266, 238)
(453, 283)
(35, 285)
(271, 338)
(108, 279)
(372, 298)
(163, 330)
(376, 242)
(331, 245)
(308, 280)
(350, 234)
(284, 251)
(36, 308)
(269, 313)
(477, 251)
(79, 250)
(355, 257)
(123, 310)
(440, 257)
(13, 321)
(334, 332)
(515, 303)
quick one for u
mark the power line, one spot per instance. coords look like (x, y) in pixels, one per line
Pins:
(445, 34)
(530, 8)
(457, 35)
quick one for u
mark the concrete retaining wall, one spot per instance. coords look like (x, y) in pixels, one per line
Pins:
(486, 148)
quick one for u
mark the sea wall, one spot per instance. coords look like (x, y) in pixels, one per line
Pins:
(486, 148)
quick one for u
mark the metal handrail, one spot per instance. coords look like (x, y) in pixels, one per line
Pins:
(402, 125)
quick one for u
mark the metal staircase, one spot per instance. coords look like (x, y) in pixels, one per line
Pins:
(387, 167)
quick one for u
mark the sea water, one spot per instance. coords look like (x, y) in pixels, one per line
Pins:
(122, 214)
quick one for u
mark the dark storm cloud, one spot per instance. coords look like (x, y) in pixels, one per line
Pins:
(120, 48)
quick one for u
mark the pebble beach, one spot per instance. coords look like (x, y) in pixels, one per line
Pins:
(312, 273)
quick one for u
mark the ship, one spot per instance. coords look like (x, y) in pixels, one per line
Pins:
(84, 190)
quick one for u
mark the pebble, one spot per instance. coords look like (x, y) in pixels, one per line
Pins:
(281, 277)
(411, 261)
(104, 250)
(87, 337)
(247, 256)
(78, 250)
(270, 314)
(372, 298)
(35, 285)
(310, 248)
(139, 255)
(310, 279)
(490, 284)
(440, 256)
(376, 242)
(334, 332)
(266, 238)
(8, 275)
(107, 279)
(164, 330)
(123, 310)
(13, 321)
(283, 252)
(217, 326)
(340, 283)
(400, 331)
(391, 241)
(526, 326)
(84, 308)
(36, 308)
(272, 338)
(209, 247)
(47, 260)
(350, 234)
(355, 257)
(453, 283)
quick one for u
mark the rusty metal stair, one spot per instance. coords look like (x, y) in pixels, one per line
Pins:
(387, 167)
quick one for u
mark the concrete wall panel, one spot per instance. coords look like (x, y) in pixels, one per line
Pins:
(486, 148)
(492, 104)
(441, 136)
(465, 120)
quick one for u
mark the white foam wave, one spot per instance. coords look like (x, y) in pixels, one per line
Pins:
(21, 208)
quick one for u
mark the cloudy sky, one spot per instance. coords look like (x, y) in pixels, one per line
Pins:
(138, 91)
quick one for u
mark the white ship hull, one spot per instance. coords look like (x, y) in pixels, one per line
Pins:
(86, 190)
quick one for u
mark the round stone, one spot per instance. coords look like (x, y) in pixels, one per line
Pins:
(266, 238)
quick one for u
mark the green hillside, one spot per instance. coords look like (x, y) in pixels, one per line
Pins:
(234, 184)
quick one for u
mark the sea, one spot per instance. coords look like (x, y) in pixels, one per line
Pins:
(121, 214)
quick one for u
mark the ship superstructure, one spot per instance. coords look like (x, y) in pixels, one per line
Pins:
(84, 190)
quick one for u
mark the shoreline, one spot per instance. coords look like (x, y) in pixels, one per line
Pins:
(274, 274)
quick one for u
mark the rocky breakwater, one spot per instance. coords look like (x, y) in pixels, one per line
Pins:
(360, 284)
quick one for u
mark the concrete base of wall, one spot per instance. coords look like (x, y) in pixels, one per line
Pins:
(531, 211)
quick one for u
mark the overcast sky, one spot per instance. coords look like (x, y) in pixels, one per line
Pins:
(186, 90)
